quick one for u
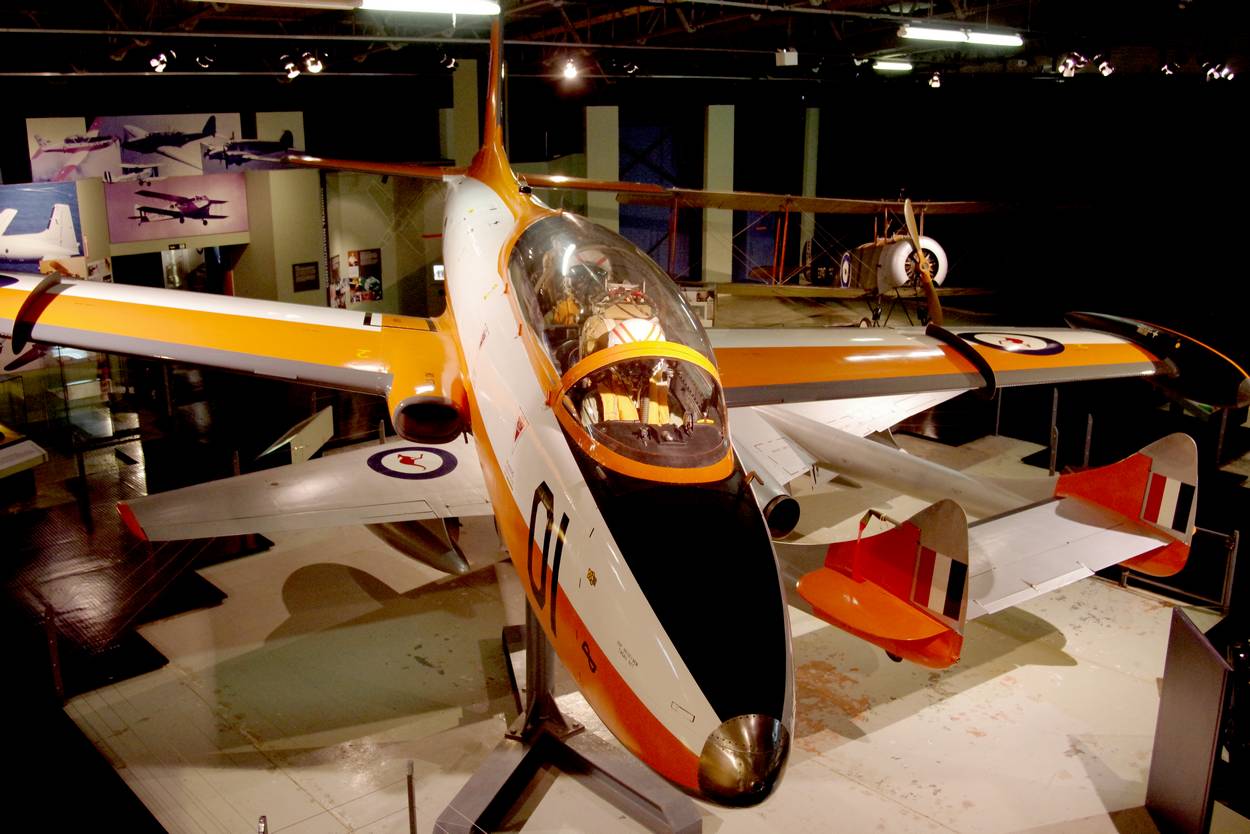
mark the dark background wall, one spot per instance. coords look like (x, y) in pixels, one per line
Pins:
(1124, 194)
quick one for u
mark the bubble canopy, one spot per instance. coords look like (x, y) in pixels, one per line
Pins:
(640, 392)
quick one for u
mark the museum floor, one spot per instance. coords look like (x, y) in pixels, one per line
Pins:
(333, 662)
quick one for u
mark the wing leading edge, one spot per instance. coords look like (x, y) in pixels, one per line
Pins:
(393, 356)
(760, 367)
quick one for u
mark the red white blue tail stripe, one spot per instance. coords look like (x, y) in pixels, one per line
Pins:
(940, 583)
(1168, 503)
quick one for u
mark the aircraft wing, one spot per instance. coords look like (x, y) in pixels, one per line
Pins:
(367, 352)
(6, 217)
(159, 195)
(374, 484)
(163, 212)
(752, 201)
(772, 366)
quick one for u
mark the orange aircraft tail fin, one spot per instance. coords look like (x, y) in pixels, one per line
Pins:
(904, 589)
(1155, 488)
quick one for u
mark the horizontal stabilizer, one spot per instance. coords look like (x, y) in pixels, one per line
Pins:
(1157, 487)
(373, 484)
(904, 589)
(1024, 554)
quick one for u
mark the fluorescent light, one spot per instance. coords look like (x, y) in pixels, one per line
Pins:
(931, 33)
(483, 7)
(433, 6)
(937, 33)
(892, 66)
(995, 38)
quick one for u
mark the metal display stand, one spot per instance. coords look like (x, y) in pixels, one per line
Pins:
(543, 736)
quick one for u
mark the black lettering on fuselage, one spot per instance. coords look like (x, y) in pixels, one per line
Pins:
(538, 585)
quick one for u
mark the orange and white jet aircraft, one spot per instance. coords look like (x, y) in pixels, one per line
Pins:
(596, 413)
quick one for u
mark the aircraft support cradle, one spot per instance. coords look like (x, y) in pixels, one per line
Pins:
(543, 735)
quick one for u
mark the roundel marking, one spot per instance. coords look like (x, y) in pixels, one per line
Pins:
(6, 280)
(844, 270)
(413, 463)
(1016, 343)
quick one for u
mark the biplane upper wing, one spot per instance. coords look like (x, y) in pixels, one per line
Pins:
(394, 356)
(160, 195)
(754, 201)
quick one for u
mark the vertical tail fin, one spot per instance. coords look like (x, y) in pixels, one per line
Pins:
(210, 126)
(492, 128)
(60, 231)
(905, 589)
(1156, 488)
(287, 140)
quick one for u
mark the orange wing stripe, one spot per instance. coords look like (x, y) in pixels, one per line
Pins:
(750, 367)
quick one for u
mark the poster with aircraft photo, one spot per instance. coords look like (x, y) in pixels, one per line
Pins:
(176, 207)
(170, 142)
(62, 149)
(40, 230)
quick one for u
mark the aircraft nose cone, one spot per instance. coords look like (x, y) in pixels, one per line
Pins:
(743, 759)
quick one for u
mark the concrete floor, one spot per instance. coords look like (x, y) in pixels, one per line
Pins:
(335, 662)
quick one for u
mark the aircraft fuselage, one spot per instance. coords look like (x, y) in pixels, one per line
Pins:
(636, 580)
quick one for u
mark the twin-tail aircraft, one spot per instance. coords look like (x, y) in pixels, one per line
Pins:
(569, 392)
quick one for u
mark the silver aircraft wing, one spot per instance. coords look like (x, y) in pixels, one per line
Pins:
(373, 484)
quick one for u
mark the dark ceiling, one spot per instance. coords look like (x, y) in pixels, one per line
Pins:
(678, 38)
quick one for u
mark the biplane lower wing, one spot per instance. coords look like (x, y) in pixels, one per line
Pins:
(374, 484)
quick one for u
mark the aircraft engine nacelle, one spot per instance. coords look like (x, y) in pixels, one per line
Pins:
(883, 265)
(781, 511)
(429, 419)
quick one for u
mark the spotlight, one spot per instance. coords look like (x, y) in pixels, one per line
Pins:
(1105, 67)
(630, 68)
(204, 61)
(312, 62)
(1168, 69)
(446, 61)
(935, 80)
(1218, 72)
(1070, 63)
(570, 69)
(160, 60)
(289, 66)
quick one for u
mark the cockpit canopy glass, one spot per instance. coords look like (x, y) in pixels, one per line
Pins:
(585, 291)
(584, 288)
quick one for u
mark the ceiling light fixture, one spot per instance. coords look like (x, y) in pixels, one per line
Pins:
(976, 36)
(160, 60)
(1218, 72)
(289, 66)
(892, 66)
(1105, 67)
(204, 61)
(452, 7)
(570, 69)
(1070, 63)
(312, 62)
(935, 80)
